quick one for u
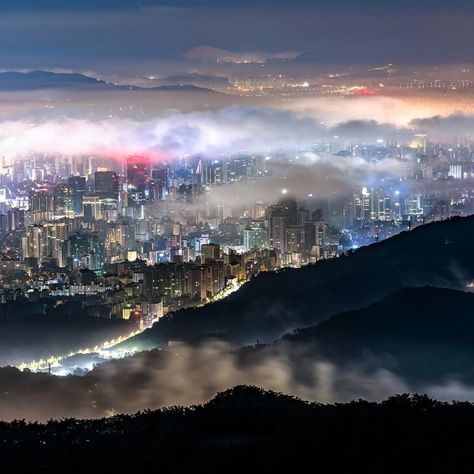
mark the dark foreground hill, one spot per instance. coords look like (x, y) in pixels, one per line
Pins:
(415, 340)
(438, 254)
(247, 429)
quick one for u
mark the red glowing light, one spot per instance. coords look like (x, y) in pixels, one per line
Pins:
(364, 91)
(147, 158)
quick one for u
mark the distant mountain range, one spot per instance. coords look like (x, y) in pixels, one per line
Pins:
(210, 54)
(14, 81)
(20, 81)
(438, 255)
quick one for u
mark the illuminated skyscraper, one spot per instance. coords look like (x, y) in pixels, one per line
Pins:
(138, 171)
(77, 186)
(277, 220)
(255, 236)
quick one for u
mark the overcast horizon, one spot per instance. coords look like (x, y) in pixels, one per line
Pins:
(120, 38)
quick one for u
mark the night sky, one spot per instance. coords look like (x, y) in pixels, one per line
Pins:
(118, 34)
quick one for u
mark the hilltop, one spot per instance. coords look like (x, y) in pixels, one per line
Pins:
(248, 429)
(438, 254)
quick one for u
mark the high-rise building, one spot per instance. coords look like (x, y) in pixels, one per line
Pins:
(45, 241)
(210, 252)
(255, 236)
(138, 174)
(87, 249)
(41, 201)
(106, 184)
(455, 171)
(159, 183)
(92, 207)
(41, 206)
(77, 186)
(318, 238)
(293, 239)
(16, 219)
(291, 210)
(63, 202)
(277, 221)
(239, 168)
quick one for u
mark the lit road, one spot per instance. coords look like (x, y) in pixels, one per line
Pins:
(55, 361)
(105, 350)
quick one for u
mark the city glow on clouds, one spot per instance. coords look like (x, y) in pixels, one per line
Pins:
(224, 131)
(311, 176)
(382, 109)
(211, 133)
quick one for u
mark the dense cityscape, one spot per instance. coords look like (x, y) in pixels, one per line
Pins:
(134, 238)
(278, 80)
(236, 236)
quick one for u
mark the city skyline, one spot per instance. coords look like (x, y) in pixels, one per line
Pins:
(236, 236)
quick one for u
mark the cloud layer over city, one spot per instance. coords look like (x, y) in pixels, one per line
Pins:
(225, 131)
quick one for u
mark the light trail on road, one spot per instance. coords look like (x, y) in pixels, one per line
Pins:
(103, 349)
(55, 361)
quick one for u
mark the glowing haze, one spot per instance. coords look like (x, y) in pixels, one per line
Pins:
(226, 130)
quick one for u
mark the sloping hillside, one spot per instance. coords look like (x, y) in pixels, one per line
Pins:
(438, 254)
(424, 335)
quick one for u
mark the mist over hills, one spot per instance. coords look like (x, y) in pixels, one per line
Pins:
(370, 353)
(423, 335)
(14, 81)
(388, 318)
(438, 254)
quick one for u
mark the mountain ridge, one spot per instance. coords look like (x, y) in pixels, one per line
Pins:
(16, 81)
(437, 254)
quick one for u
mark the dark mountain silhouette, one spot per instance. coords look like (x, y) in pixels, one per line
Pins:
(12, 81)
(247, 429)
(424, 335)
(438, 254)
(20, 81)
